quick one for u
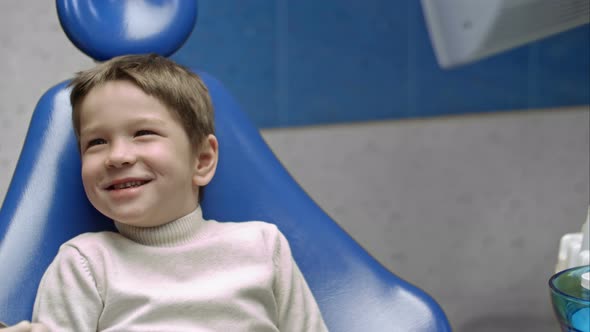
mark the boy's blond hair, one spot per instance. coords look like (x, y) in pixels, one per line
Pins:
(179, 89)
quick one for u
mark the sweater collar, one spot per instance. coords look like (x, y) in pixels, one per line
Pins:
(178, 232)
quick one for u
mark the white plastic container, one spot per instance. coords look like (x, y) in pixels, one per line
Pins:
(574, 248)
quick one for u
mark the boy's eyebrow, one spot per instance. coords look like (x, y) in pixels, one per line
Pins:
(146, 120)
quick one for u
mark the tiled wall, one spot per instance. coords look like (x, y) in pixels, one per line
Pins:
(313, 62)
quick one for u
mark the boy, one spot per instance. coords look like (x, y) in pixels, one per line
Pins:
(145, 131)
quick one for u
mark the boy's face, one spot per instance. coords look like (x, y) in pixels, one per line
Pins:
(138, 166)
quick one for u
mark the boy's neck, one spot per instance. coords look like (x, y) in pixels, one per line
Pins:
(180, 231)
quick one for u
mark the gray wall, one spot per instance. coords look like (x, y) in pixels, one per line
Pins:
(469, 208)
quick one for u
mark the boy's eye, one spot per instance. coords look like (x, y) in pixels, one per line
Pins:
(95, 141)
(144, 132)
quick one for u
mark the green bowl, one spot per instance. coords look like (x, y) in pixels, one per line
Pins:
(571, 301)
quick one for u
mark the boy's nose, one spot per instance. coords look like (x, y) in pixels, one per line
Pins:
(120, 155)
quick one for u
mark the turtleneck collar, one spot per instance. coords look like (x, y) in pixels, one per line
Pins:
(174, 233)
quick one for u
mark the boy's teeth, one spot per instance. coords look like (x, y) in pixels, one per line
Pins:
(127, 184)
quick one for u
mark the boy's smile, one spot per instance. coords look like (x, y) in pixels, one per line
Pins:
(126, 183)
(126, 188)
(138, 165)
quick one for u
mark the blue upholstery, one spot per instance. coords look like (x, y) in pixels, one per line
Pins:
(45, 206)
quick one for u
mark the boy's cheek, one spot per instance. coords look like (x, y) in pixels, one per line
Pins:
(89, 173)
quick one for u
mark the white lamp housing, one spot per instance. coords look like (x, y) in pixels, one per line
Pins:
(463, 31)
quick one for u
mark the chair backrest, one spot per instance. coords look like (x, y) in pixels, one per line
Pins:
(46, 205)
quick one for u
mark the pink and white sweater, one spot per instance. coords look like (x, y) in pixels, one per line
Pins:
(187, 275)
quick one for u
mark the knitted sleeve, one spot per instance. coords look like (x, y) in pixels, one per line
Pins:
(297, 309)
(67, 298)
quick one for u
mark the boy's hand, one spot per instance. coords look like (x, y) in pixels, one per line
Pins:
(25, 326)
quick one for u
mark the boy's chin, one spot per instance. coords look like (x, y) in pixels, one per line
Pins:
(142, 217)
(139, 222)
(137, 219)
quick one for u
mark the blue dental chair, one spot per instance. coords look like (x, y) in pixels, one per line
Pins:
(45, 204)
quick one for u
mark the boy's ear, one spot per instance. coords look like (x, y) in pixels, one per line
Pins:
(206, 161)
